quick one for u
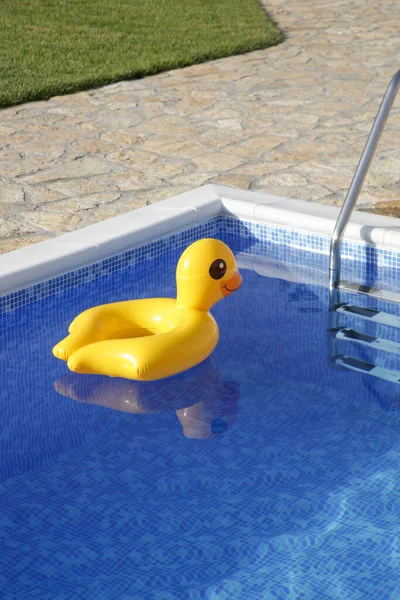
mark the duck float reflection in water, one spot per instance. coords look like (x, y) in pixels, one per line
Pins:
(205, 406)
(155, 338)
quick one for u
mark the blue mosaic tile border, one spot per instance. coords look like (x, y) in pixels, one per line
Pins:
(312, 242)
(100, 269)
(258, 236)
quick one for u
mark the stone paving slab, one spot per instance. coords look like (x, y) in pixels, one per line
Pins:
(291, 120)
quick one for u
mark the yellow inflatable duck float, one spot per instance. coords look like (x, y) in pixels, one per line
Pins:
(155, 338)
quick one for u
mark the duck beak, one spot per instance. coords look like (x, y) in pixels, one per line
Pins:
(233, 284)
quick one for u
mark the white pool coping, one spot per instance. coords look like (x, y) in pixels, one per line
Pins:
(23, 268)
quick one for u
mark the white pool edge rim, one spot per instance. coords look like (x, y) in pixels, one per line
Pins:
(31, 265)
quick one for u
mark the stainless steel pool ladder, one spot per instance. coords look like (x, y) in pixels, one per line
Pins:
(336, 307)
(358, 180)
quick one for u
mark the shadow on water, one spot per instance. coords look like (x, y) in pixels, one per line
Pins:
(371, 256)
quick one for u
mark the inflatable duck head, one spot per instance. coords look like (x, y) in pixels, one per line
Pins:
(206, 273)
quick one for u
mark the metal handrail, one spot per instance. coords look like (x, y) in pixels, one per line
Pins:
(358, 180)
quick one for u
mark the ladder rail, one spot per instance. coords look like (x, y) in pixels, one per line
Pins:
(358, 180)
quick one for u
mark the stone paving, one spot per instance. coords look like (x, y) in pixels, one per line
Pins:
(290, 120)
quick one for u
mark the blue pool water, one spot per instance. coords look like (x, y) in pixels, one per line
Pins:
(264, 473)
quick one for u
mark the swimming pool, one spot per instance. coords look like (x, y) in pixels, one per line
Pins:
(265, 472)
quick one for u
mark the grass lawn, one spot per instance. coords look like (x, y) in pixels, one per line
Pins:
(51, 47)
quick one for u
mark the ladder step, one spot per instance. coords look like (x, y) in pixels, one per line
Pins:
(352, 335)
(372, 291)
(367, 368)
(375, 316)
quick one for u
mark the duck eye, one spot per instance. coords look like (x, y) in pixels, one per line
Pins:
(217, 269)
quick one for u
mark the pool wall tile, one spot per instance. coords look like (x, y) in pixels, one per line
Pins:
(260, 238)
(101, 268)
